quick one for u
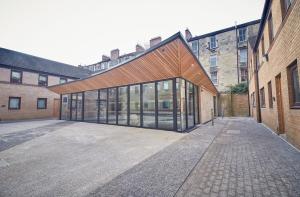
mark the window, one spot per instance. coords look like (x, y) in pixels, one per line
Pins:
(243, 34)
(262, 45)
(213, 60)
(122, 105)
(62, 80)
(14, 103)
(165, 105)
(190, 104)
(41, 103)
(103, 106)
(134, 105)
(43, 80)
(112, 105)
(257, 59)
(213, 42)
(214, 77)
(244, 74)
(243, 55)
(271, 30)
(195, 47)
(149, 105)
(262, 98)
(270, 95)
(16, 76)
(294, 87)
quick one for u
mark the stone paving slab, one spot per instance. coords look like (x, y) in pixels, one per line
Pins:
(245, 160)
(163, 173)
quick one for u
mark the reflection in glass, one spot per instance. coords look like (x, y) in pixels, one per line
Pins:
(135, 105)
(112, 105)
(65, 107)
(79, 106)
(122, 105)
(91, 106)
(165, 104)
(103, 106)
(74, 107)
(149, 105)
(181, 105)
(190, 105)
(196, 104)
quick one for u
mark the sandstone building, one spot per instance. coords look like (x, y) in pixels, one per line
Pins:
(23, 81)
(274, 69)
(223, 53)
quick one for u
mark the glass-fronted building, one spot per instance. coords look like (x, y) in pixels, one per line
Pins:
(163, 88)
(170, 104)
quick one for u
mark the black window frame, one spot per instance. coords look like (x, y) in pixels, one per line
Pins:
(21, 76)
(293, 103)
(262, 97)
(39, 81)
(62, 78)
(37, 103)
(215, 45)
(271, 28)
(243, 34)
(270, 95)
(14, 97)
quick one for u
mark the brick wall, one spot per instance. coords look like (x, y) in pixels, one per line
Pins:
(29, 95)
(284, 50)
(233, 104)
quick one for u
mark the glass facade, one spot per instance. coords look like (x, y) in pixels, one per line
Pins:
(168, 104)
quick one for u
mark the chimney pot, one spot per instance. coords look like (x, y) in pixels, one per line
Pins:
(114, 54)
(104, 58)
(188, 34)
(139, 48)
(155, 41)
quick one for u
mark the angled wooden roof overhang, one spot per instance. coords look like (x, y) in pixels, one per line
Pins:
(169, 59)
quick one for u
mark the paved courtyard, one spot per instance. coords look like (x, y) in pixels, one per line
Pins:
(235, 157)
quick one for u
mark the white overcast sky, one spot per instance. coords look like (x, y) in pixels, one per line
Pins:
(79, 32)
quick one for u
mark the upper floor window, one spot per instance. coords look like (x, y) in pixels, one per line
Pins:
(214, 77)
(244, 74)
(62, 80)
(257, 59)
(213, 42)
(263, 45)
(195, 47)
(243, 55)
(294, 87)
(213, 60)
(271, 29)
(16, 76)
(43, 80)
(270, 95)
(243, 34)
(42, 103)
(14, 103)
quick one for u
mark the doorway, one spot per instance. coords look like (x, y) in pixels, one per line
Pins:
(280, 113)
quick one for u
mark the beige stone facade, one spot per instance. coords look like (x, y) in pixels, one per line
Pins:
(272, 58)
(228, 68)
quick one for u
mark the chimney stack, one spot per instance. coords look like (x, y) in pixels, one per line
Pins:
(188, 34)
(114, 54)
(139, 48)
(155, 41)
(104, 58)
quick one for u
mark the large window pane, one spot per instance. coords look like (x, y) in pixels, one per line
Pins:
(122, 106)
(65, 107)
(79, 106)
(74, 106)
(103, 106)
(165, 104)
(181, 104)
(196, 104)
(112, 105)
(149, 105)
(91, 106)
(135, 105)
(190, 106)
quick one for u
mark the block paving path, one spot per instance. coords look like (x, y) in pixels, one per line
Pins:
(247, 159)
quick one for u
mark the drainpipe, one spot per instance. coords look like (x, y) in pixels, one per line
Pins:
(248, 80)
(258, 111)
(237, 53)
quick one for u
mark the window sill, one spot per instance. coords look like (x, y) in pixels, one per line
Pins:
(295, 107)
(13, 109)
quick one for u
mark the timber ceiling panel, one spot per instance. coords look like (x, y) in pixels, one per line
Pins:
(171, 59)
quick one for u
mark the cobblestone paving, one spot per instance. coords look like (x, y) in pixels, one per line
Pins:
(11, 139)
(245, 160)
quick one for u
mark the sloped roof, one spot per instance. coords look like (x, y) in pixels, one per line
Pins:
(169, 59)
(21, 60)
